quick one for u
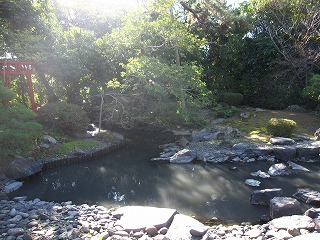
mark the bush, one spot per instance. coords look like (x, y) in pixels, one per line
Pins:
(18, 130)
(225, 111)
(63, 117)
(281, 127)
(232, 99)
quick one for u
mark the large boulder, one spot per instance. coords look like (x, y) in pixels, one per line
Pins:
(278, 169)
(137, 218)
(263, 197)
(291, 222)
(308, 152)
(184, 156)
(281, 141)
(284, 206)
(21, 168)
(308, 196)
(296, 109)
(215, 133)
(284, 153)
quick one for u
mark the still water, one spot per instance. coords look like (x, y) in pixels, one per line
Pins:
(128, 177)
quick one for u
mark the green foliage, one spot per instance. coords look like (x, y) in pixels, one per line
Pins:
(63, 117)
(18, 130)
(67, 148)
(281, 127)
(312, 90)
(231, 98)
(6, 94)
(221, 111)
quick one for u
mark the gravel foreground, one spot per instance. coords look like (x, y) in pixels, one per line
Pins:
(36, 219)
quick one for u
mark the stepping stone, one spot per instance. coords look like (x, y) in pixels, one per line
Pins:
(308, 196)
(184, 226)
(137, 218)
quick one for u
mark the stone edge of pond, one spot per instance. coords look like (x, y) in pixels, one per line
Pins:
(32, 166)
(36, 219)
(49, 163)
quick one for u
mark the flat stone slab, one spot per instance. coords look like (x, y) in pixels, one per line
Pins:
(295, 221)
(298, 167)
(181, 227)
(282, 141)
(137, 218)
(263, 197)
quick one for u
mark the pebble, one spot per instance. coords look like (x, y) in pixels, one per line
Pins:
(22, 219)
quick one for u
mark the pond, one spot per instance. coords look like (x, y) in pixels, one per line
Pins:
(128, 177)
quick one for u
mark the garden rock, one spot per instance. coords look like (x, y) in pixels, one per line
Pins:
(298, 167)
(290, 222)
(147, 216)
(278, 169)
(308, 196)
(184, 156)
(296, 109)
(281, 141)
(48, 139)
(12, 187)
(21, 168)
(263, 197)
(284, 206)
(261, 174)
(181, 226)
(307, 151)
(252, 182)
(284, 153)
(317, 134)
(78, 151)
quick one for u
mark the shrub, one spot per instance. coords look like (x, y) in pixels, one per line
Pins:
(63, 117)
(18, 130)
(225, 111)
(232, 99)
(281, 127)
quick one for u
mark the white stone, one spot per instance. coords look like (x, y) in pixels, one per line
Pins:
(137, 218)
(252, 182)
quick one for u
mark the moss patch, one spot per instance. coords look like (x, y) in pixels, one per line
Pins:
(255, 127)
(67, 148)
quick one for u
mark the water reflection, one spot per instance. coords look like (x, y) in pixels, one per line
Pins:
(128, 177)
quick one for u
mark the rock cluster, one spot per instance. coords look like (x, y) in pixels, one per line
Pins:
(222, 144)
(36, 219)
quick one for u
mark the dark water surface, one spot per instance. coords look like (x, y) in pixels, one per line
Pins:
(128, 177)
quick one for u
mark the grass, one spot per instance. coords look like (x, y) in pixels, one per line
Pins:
(255, 127)
(67, 148)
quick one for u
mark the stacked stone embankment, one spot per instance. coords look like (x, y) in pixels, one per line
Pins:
(36, 219)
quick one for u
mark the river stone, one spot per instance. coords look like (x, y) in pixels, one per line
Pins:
(295, 166)
(78, 151)
(281, 141)
(308, 196)
(12, 187)
(284, 206)
(181, 226)
(289, 222)
(184, 156)
(263, 197)
(278, 169)
(137, 218)
(252, 182)
(284, 153)
(261, 174)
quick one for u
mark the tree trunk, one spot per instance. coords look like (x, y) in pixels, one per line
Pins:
(51, 96)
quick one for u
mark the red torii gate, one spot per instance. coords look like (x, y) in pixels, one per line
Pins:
(9, 68)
